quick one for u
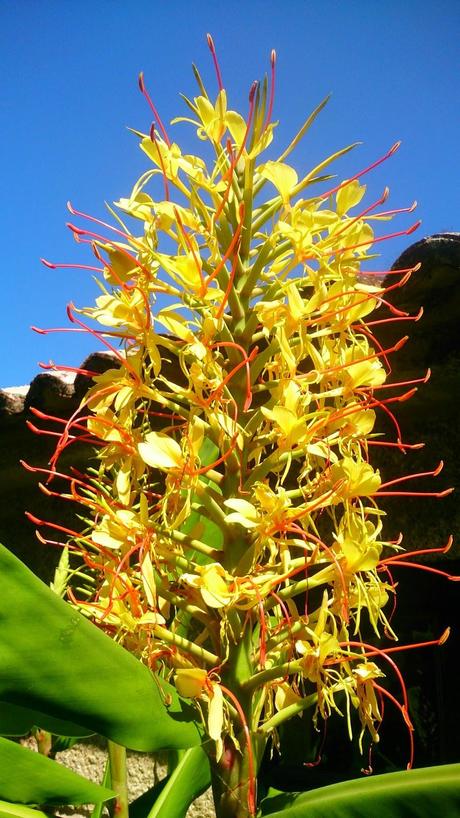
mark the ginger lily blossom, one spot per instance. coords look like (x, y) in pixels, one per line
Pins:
(233, 538)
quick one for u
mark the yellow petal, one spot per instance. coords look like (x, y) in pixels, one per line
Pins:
(161, 452)
(348, 196)
(285, 696)
(148, 580)
(123, 482)
(237, 126)
(190, 682)
(282, 176)
(242, 506)
(213, 585)
(216, 713)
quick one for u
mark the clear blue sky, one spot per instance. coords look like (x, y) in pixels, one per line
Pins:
(69, 86)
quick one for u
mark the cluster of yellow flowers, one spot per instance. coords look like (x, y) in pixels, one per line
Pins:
(234, 538)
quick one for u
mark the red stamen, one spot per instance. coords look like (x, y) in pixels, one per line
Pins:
(212, 49)
(414, 493)
(59, 368)
(399, 344)
(373, 651)
(442, 550)
(234, 159)
(392, 150)
(124, 361)
(363, 328)
(428, 568)
(399, 445)
(283, 606)
(146, 94)
(37, 469)
(390, 320)
(350, 222)
(229, 249)
(405, 715)
(385, 273)
(56, 526)
(319, 756)
(395, 384)
(53, 266)
(433, 473)
(94, 219)
(247, 360)
(395, 211)
(49, 330)
(395, 235)
(272, 89)
(160, 156)
(78, 232)
(228, 290)
(296, 529)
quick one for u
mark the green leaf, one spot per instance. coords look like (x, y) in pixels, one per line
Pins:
(54, 660)
(31, 778)
(142, 805)
(106, 782)
(19, 811)
(421, 793)
(172, 796)
(189, 779)
(17, 721)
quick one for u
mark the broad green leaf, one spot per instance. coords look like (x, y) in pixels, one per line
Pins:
(141, 807)
(55, 661)
(19, 811)
(17, 721)
(30, 778)
(189, 779)
(422, 793)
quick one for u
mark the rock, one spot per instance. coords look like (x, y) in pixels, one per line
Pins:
(431, 416)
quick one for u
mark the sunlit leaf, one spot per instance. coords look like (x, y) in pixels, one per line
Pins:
(76, 673)
(31, 778)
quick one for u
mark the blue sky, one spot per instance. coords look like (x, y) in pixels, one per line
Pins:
(69, 86)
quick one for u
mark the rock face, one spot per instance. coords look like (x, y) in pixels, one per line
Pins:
(431, 415)
(58, 395)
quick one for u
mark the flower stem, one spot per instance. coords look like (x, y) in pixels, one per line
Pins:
(117, 758)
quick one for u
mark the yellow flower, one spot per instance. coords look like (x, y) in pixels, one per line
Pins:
(282, 176)
(357, 541)
(217, 587)
(190, 682)
(355, 478)
(368, 708)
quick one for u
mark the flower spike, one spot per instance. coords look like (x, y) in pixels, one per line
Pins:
(230, 532)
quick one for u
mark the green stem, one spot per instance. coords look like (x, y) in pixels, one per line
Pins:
(247, 199)
(287, 713)
(118, 775)
(204, 493)
(187, 646)
(179, 602)
(277, 672)
(303, 585)
(232, 787)
(195, 545)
